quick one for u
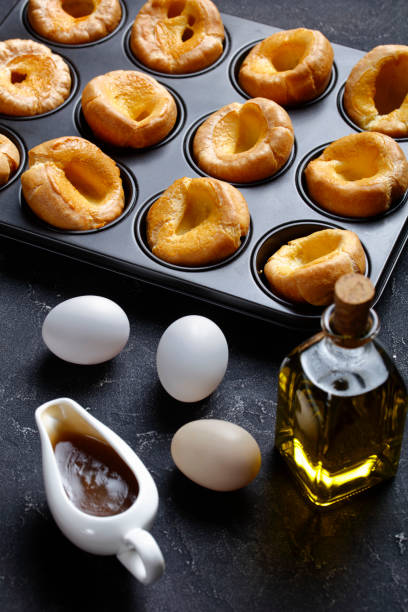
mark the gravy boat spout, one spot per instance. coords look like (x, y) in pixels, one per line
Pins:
(124, 534)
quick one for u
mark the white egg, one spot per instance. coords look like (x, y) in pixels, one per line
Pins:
(216, 454)
(192, 358)
(86, 330)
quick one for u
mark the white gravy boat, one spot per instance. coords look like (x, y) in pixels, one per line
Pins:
(124, 535)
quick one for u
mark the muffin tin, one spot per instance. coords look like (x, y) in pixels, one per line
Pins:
(280, 207)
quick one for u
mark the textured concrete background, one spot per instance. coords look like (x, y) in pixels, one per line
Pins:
(258, 549)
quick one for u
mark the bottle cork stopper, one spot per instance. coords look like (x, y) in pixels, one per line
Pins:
(353, 296)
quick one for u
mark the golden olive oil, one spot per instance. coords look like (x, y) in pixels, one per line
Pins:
(340, 417)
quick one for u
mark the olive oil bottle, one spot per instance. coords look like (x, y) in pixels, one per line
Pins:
(341, 402)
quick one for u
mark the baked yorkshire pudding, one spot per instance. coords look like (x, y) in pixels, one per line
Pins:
(9, 159)
(244, 142)
(128, 108)
(72, 185)
(177, 36)
(197, 221)
(74, 21)
(359, 175)
(290, 67)
(33, 80)
(306, 269)
(376, 92)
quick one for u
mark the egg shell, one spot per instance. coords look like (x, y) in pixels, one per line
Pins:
(86, 330)
(216, 454)
(192, 357)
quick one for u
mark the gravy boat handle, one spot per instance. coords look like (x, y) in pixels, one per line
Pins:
(142, 556)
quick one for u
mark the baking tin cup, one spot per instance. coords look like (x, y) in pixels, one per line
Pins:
(189, 154)
(130, 191)
(86, 131)
(140, 232)
(350, 122)
(47, 41)
(186, 75)
(271, 242)
(236, 64)
(66, 102)
(302, 188)
(278, 206)
(15, 138)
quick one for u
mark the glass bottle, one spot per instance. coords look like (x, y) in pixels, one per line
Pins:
(341, 402)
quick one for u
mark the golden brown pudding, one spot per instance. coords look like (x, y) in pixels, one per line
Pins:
(177, 36)
(359, 175)
(33, 80)
(244, 142)
(376, 91)
(306, 269)
(73, 185)
(74, 21)
(9, 159)
(197, 221)
(290, 67)
(128, 108)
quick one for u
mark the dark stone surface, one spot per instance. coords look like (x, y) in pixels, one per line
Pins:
(261, 548)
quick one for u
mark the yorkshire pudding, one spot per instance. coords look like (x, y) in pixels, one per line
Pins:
(359, 175)
(74, 21)
(306, 269)
(177, 36)
(72, 185)
(197, 221)
(33, 80)
(128, 108)
(289, 67)
(9, 159)
(376, 91)
(244, 142)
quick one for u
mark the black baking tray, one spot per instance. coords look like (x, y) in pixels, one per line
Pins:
(280, 209)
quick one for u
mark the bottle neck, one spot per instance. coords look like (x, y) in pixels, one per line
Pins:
(341, 365)
(349, 341)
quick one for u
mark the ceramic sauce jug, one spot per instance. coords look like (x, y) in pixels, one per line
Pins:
(99, 492)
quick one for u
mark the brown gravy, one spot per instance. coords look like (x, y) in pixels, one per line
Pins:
(95, 478)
